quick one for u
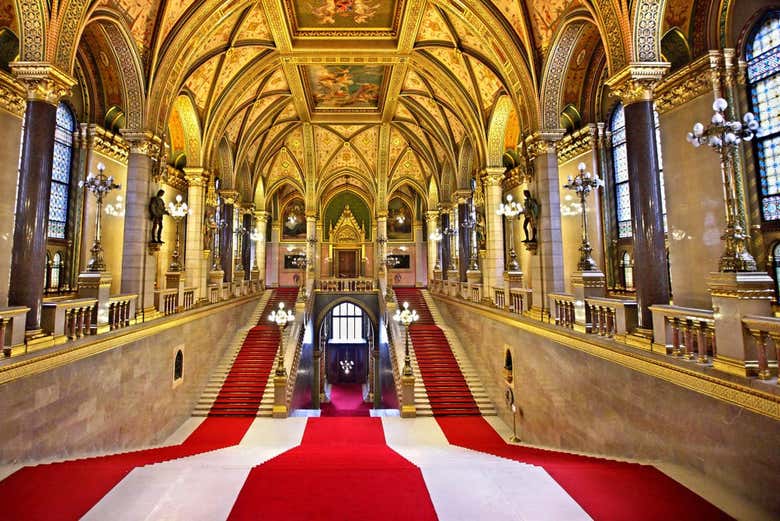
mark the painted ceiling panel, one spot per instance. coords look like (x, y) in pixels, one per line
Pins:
(433, 27)
(255, 26)
(326, 142)
(200, 81)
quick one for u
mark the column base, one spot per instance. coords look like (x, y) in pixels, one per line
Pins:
(474, 276)
(280, 397)
(586, 284)
(408, 407)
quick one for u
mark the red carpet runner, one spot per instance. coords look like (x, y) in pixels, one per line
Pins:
(342, 470)
(448, 393)
(242, 391)
(605, 489)
(345, 400)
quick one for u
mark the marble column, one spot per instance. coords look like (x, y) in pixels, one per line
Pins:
(45, 87)
(246, 254)
(464, 234)
(138, 267)
(262, 226)
(493, 270)
(382, 248)
(547, 265)
(226, 239)
(311, 247)
(431, 224)
(444, 219)
(193, 248)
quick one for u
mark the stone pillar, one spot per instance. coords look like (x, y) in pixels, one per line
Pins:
(464, 234)
(311, 247)
(493, 270)
(430, 218)
(45, 87)
(444, 219)
(262, 226)
(139, 270)
(193, 252)
(547, 265)
(246, 254)
(634, 85)
(226, 239)
(382, 249)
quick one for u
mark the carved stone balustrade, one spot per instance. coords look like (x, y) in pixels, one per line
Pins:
(612, 317)
(12, 328)
(520, 300)
(68, 319)
(166, 301)
(188, 298)
(214, 293)
(762, 330)
(347, 285)
(499, 298)
(475, 293)
(681, 332)
(562, 307)
(121, 310)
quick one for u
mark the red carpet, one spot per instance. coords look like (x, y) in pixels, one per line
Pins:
(342, 470)
(448, 393)
(244, 386)
(345, 400)
(69, 489)
(605, 489)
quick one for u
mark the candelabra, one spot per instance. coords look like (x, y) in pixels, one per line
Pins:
(301, 262)
(238, 257)
(509, 211)
(406, 317)
(280, 317)
(217, 224)
(436, 236)
(177, 211)
(347, 366)
(256, 236)
(470, 225)
(724, 137)
(99, 185)
(391, 261)
(582, 184)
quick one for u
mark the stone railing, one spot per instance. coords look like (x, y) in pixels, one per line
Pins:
(519, 300)
(12, 328)
(683, 331)
(612, 317)
(166, 301)
(345, 285)
(452, 288)
(761, 330)
(562, 308)
(121, 310)
(214, 293)
(188, 298)
(475, 293)
(68, 319)
(499, 298)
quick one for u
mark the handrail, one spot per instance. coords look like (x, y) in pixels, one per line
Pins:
(760, 328)
(343, 285)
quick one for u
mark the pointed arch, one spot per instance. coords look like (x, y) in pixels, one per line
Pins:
(497, 131)
(465, 165)
(647, 28)
(554, 74)
(33, 28)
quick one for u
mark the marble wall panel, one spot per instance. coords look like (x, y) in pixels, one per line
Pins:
(9, 164)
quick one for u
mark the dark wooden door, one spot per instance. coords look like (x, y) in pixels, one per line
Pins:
(347, 264)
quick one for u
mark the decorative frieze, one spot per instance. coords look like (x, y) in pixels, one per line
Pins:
(102, 141)
(43, 81)
(574, 144)
(12, 95)
(683, 85)
(636, 82)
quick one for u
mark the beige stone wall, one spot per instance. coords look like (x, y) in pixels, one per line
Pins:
(119, 399)
(694, 202)
(113, 232)
(10, 129)
(571, 400)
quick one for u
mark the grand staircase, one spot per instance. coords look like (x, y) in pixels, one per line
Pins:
(242, 384)
(449, 385)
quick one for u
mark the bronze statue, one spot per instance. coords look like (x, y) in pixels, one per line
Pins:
(531, 209)
(156, 212)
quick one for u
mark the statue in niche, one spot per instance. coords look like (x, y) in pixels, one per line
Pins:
(531, 209)
(209, 224)
(156, 212)
(481, 230)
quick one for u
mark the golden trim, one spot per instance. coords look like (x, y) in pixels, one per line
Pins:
(725, 391)
(123, 337)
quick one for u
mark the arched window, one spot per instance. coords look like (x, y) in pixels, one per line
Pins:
(56, 267)
(60, 172)
(347, 323)
(178, 366)
(620, 171)
(763, 55)
(628, 270)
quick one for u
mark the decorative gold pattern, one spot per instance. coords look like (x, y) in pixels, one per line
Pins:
(683, 85)
(44, 82)
(636, 82)
(12, 96)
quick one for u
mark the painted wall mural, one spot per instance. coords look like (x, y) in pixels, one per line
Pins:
(316, 15)
(294, 220)
(399, 220)
(338, 87)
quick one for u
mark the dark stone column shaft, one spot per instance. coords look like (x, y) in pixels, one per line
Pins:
(28, 258)
(651, 276)
(226, 245)
(246, 254)
(464, 239)
(444, 219)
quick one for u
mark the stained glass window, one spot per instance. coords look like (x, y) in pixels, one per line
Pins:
(628, 271)
(620, 166)
(60, 172)
(763, 54)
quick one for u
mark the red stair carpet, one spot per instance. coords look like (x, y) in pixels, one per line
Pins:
(242, 391)
(342, 470)
(448, 393)
(345, 400)
(606, 489)
(67, 490)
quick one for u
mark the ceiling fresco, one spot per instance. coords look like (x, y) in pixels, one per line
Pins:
(318, 18)
(344, 87)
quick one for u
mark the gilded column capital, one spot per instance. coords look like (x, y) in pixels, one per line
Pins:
(247, 208)
(230, 196)
(262, 216)
(195, 176)
(636, 81)
(493, 175)
(431, 215)
(94, 137)
(462, 196)
(381, 214)
(142, 142)
(43, 81)
(543, 142)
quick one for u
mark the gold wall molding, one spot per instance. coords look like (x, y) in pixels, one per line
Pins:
(103, 142)
(636, 82)
(575, 144)
(109, 341)
(683, 85)
(44, 82)
(12, 95)
(724, 390)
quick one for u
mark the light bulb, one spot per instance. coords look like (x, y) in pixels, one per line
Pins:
(720, 104)
(698, 129)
